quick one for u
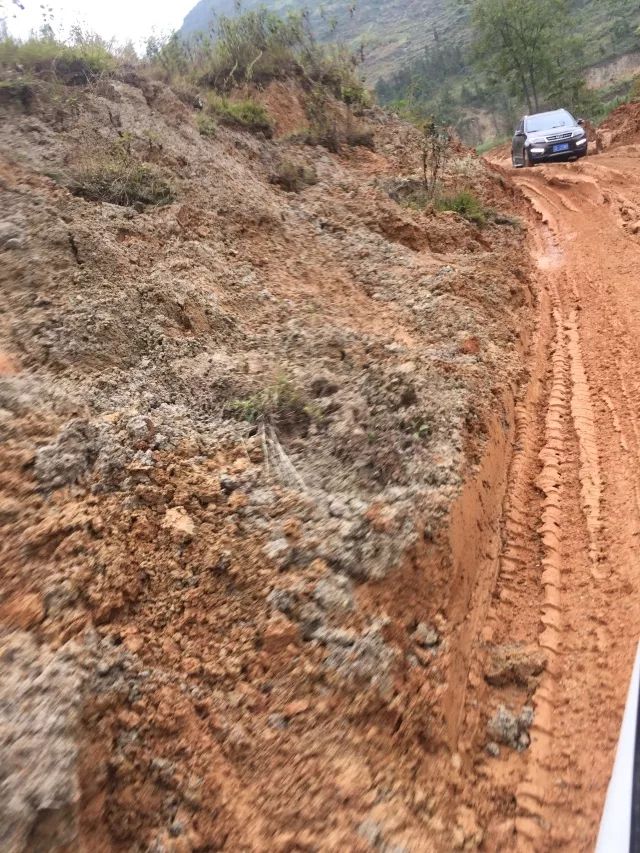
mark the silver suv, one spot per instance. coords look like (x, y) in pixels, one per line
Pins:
(544, 137)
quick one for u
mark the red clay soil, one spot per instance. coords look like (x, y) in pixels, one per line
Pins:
(389, 605)
(234, 429)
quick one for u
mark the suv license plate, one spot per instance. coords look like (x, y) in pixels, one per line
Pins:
(563, 146)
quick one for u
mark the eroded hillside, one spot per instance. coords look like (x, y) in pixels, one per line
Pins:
(254, 443)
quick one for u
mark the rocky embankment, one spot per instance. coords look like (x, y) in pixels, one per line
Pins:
(234, 429)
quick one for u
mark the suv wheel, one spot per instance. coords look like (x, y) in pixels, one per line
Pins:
(527, 158)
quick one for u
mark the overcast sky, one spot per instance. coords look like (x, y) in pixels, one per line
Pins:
(122, 19)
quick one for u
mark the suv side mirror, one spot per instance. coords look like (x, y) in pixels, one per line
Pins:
(581, 122)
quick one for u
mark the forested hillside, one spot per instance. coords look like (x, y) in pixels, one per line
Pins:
(466, 80)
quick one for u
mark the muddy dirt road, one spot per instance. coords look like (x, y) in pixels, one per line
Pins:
(570, 567)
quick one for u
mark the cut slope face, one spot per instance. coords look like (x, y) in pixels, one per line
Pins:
(254, 444)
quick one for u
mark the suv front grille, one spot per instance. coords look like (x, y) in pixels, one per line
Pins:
(556, 137)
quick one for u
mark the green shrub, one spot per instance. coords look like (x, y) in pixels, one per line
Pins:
(280, 405)
(257, 47)
(362, 136)
(246, 114)
(354, 94)
(86, 58)
(117, 178)
(19, 89)
(466, 204)
(293, 177)
(172, 58)
(323, 126)
(206, 125)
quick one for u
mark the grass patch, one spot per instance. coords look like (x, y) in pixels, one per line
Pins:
(465, 204)
(18, 89)
(118, 178)
(293, 177)
(245, 114)
(206, 126)
(417, 200)
(280, 405)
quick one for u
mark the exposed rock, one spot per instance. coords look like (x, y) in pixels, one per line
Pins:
(39, 703)
(426, 636)
(371, 832)
(179, 522)
(514, 664)
(334, 594)
(511, 729)
(228, 483)
(492, 749)
(9, 233)
(69, 457)
(141, 428)
(293, 709)
(368, 660)
(280, 551)
(278, 634)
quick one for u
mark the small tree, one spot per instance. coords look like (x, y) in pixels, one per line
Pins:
(435, 143)
(522, 42)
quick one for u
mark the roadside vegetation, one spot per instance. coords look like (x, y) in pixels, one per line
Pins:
(281, 405)
(245, 113)
(293, 177)
(80, 58)
(245, 54)
(465, 204)
(222, 79)
(255, 48)
(118, 177)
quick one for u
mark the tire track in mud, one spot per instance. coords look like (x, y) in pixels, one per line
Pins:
(531, 793)
(569, 475)
(584, 424)
(571, 522)
(519, 545)
(570, 443)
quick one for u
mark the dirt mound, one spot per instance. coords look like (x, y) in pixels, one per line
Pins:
(234, 426)
(621, 127)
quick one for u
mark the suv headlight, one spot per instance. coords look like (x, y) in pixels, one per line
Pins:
(540, 141)
(578, 133)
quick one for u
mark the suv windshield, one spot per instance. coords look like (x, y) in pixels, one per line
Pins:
(549, 121)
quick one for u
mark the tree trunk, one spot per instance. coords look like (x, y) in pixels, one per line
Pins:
(534, 90)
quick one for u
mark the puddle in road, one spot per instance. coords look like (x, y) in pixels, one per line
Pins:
(548, 253)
